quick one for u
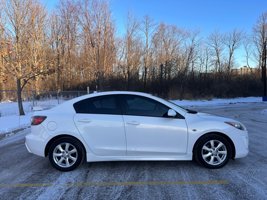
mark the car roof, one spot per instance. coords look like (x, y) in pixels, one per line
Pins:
(64, 106)
(95, 94)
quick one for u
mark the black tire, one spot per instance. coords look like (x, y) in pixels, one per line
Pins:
(66, 154)
(209, 155)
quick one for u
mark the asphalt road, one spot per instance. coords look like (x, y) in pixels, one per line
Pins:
(26, 176)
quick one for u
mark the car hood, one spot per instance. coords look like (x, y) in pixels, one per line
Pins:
(204, 121)
(210, 117)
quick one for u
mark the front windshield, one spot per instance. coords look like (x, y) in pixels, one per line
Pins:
(177, 106)
(185, 109)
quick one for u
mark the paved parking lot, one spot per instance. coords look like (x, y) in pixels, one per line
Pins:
(26, 176)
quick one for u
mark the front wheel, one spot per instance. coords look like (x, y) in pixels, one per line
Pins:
(66, 154)
(212, 151)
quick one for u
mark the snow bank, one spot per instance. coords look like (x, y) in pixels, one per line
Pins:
(217, 101)
(11, 108)
(14, 122)
(9, 115)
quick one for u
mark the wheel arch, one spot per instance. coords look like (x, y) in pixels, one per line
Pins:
(217, 133)
(52, 140)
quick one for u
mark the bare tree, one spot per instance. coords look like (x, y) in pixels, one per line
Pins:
(167, 43)
(69, 23)
(148, 28)
(204, 58)
(207, 59)
(232, 41)
(37, 47)
(99, 37)
(2, 55)
(249, 48)
(192, 46)
(132, 51)
(215, 41)
(24, 29)
(56, 41)
(260, 36)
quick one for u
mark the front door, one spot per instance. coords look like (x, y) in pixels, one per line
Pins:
(149, 131)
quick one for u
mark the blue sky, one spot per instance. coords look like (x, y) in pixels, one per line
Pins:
(203, 15)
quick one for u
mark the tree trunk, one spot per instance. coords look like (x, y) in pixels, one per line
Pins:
(145, 78)
(19, 91)
(3, 96)
(128, 78)
(100, 80)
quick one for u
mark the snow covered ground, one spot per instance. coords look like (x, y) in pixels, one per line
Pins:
(217, 101)
(11, 123)
(264, 112)
(9, 115)
(10, 119)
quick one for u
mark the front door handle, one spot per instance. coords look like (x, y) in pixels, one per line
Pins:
(84, 120)
(133, 123)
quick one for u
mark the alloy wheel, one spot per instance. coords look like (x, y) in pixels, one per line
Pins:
(65, 155)
(214, 152)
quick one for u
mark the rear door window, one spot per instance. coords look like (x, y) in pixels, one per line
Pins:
(98, 105)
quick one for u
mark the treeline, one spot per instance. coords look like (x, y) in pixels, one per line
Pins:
(190, 86)
(78, 45)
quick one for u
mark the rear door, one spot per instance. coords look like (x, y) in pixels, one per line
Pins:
(100, 123)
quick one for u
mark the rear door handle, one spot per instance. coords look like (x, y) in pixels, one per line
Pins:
(133, 123)
(84, 120)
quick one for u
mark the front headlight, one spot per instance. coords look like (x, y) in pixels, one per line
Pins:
(236, 125)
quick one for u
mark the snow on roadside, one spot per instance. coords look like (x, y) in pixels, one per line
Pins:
(13, 122)
(11, 108)
(9, 115)
(217, 101)
(264, 112)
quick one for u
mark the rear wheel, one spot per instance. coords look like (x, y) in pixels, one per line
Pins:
(212, 151)
(66, 154)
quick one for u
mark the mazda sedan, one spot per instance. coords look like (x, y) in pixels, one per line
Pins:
(120, 126)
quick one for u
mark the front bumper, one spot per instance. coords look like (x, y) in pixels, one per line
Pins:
(241, 146)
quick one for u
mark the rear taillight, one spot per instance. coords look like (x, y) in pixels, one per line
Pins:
(36, 120)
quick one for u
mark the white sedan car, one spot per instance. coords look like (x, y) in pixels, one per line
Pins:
(119, 126)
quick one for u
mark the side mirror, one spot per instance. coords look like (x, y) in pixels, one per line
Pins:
(171, 113)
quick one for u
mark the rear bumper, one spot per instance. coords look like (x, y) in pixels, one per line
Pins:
(35, 145)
